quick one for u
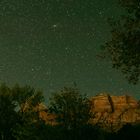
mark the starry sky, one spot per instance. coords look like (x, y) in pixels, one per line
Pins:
(49, 44)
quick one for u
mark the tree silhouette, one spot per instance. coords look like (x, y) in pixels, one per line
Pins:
(27, 100)
(124, 47)
(8, 116)
(71, 108)
(19, 118)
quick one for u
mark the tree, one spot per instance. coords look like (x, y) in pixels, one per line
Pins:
(70, 107)
(27, 100)
(8, 116)
(124, 47)
(19, 116)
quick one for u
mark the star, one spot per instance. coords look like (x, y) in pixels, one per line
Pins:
(32, 69)
(54, 25)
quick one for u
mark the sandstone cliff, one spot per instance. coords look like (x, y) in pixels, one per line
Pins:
(45, 115)
(110, 112)
(114, 111)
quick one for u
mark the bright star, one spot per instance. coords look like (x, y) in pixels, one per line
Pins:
(54, 26)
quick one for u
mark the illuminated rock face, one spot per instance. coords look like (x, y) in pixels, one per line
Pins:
(114, 111)
(44, 114)
(110, 112)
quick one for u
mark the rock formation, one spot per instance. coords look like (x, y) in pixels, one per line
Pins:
(45, 115)
(109, 112)
(112, 112)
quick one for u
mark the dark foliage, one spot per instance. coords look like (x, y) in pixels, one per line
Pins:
(71, 108)
(8, 115)
(15, 124)
(124, 47)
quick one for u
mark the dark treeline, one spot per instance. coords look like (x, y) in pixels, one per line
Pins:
(20, 120)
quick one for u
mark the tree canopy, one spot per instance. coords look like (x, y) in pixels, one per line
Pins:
(19, 119)
(8, 116)
(17, 112)
(124, 47)
(71, 108)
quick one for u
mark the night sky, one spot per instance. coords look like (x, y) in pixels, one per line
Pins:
(49, 44)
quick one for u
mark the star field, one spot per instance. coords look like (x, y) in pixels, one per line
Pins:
(49, 44)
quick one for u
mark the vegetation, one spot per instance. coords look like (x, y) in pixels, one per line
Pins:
(19, 118)
(16, 111)
(19, 114)
(71, 108)
(124, 47)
